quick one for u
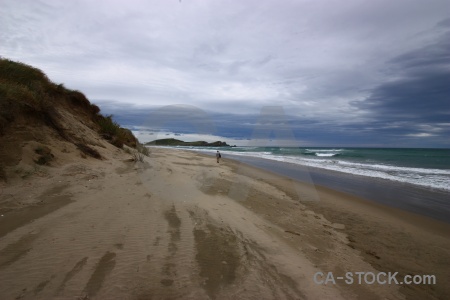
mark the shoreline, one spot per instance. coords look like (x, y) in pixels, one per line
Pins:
(434, 225)
(179, 225)
(408, 197)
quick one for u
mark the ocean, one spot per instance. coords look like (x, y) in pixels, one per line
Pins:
(428, 168)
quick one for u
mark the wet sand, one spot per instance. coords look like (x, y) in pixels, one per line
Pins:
(181, 226)
(420, 200)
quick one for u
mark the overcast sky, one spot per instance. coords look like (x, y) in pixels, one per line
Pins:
(336, 73)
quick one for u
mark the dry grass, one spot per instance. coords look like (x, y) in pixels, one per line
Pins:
(138, 157)
(108, 127)
(142, 149)
(85, 149)
(45, 155)
(140, 153)
(116, 135)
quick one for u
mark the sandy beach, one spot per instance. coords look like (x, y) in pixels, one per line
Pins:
(181, 226)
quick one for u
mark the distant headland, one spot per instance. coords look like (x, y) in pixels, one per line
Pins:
(175, 142)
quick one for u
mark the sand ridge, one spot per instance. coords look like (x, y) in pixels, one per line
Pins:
(178, 226)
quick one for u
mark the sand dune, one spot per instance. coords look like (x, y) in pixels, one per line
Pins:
(182, 226)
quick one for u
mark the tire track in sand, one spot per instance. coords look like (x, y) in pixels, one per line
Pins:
(75, 270)
(169, 269)
(103, 268)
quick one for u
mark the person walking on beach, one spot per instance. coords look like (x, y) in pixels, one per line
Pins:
(218, 156)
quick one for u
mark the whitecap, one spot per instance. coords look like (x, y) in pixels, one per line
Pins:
(325, 154)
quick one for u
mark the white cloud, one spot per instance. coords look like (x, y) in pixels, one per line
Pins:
(421, 134)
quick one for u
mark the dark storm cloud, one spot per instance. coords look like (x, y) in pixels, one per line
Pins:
(423, 98)
(419, 96)
(272, 125)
